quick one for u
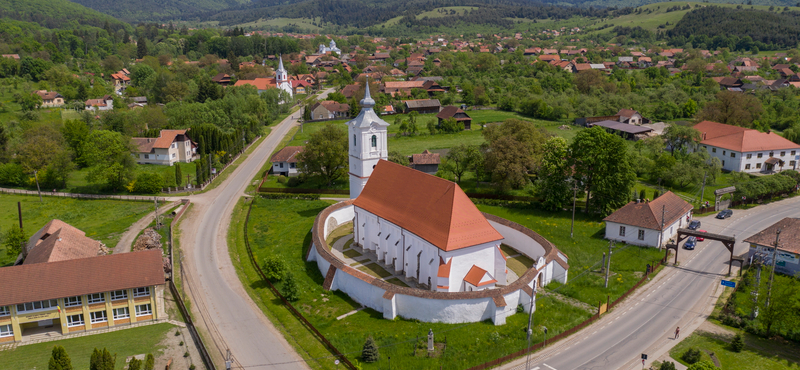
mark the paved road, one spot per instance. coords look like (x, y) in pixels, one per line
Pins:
(230, 317)
(679, 296)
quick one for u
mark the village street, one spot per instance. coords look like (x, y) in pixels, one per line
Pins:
(678, 296)
(220, 305)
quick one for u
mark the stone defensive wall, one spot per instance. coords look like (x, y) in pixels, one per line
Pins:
(431, 306)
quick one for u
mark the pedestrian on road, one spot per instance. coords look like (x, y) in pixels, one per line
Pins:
(677, 332)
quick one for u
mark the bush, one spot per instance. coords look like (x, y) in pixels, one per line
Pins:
(692, 356)
(294, 181)
(289, 288)
(282, 179)
(12, 174)
(702, 365)
(667, 365)
(370, 351)
(149, 362)
(738, 343)
(148, 183)
(135, 364)
(274, 268)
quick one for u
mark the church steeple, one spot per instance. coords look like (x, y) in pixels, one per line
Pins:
(280, 74)
(367, 136)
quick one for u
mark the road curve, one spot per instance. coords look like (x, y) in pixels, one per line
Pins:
(220, 303)
(679, 296)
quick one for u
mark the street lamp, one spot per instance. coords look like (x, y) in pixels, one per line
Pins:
(530, 322)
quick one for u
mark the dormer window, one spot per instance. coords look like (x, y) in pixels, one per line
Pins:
(44, 236)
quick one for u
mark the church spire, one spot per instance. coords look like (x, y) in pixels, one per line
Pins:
(280, 62)
(367, 102)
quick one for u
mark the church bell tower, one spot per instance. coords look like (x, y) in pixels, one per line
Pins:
(366, 135)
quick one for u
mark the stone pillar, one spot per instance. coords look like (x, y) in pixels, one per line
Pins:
(63, 315)
(389, 305)
(131, 307)
(430, 340)
(87, 319)
(15, 324)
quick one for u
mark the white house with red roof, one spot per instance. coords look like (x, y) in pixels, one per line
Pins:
(284, 162)
(169, 147)
(649, 223)
(742, 149)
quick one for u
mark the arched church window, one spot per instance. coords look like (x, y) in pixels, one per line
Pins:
(374, 141)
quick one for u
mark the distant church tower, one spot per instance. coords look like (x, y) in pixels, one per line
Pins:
(282, 78)
(367, 142)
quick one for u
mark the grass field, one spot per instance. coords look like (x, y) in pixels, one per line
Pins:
(756, 355)
(585, 252)
(305, 23)
(103, 220)
(282, 227)
(123, 343)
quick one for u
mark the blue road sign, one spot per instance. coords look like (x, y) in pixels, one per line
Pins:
(728, 283)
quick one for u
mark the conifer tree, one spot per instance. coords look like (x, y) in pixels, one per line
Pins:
(60, 359)
(135, 364)
(289, 287)
(149, 362)
(370, 352)
(178, 175)
(141, 47)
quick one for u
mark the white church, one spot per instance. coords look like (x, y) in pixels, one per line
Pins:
(422, 225)
(282, 78)
(331, 48)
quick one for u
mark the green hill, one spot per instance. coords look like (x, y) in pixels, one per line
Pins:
(154, 10)
(56, 14)
(634, 3)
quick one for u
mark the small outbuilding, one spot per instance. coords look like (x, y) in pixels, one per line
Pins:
(452, 111)
(423, 105)
(426, 162)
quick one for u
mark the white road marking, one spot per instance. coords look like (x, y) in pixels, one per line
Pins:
(550, 367)
(535, 368)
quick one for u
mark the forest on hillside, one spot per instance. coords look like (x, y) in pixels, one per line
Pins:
(719, 26)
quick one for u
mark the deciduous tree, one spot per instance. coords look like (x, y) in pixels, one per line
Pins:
(325, 154)
(108, 154)
(460, 158)
(732, 108)
(553, 186)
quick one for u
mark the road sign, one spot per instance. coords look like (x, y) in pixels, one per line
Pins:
(644, 356)
(728, 283)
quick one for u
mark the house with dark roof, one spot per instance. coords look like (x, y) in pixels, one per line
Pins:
(426, 161)
(423, 105)
(649, 223)
(284, 162)
(456, 113)
(743, 149)
(169, 147)
(65, 287)
(222, 79)
(787, 254)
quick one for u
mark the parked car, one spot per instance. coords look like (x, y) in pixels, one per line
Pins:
(690, 243)
(724, 214)
(694, 225)
(700, 238)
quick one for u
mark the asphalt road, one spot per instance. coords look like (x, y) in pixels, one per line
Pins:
(679, 296)
(221, 305)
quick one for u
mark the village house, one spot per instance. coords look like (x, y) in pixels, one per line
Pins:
(280, 81)
(459, 115)
(425, 162)
(328, 109)
(66, 285)
(50, 99)
(787, 255)
(169, 147)
(423, 105)
(649, 223)
(121, 80)
(284, 162)
(104, 103)
(747, 150)
(223, 79)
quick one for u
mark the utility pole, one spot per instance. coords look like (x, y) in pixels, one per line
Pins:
(703, 188)
(661, 233)
(774, 260)
(155, 199)
(37, 185)
(574, 197)
(530, 321)
(608, 269)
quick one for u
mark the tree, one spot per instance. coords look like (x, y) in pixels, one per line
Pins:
(325, 154)
(147, 183)
(102, 360)
(667, 365)
(679, 137)
(397, 157)
(29, 102)
(275, 268)
(737, 344)
(459, 159)
(135, 364)
(112, 64)
(289, 288)
(149, 361)
(513, 149)
(370, 351)
(41, 145)
(553, 186)
(586, 80)
(59, 360)
(692, 355)
(306, 113)
(108, 154)
(601, 166)
(733, 109)
(141, 47)
(178, 175)
(451, 126)
(13, 241)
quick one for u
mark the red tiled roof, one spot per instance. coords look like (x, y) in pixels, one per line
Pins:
(163, 141)
(444, 268)
(287, 154)
(59, 241)
(740, 139)
(432, 208)
(40, 281)
(475, 275)
(648, 214)
(789, 239)
(259, 83)
(425, 157)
